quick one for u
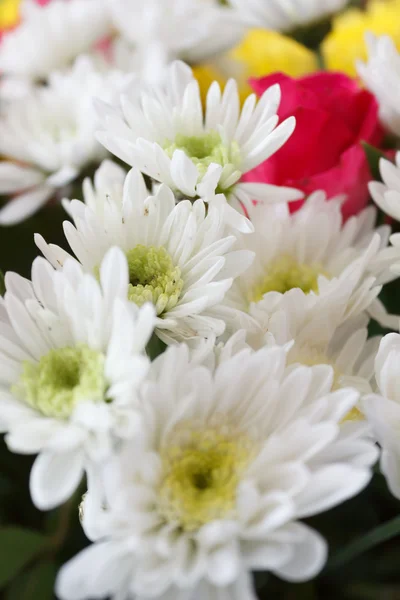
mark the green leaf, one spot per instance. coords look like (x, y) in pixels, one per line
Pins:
(17, 548)
(373, 538)
(373, 155)
(37, 583)
(312, 35)
(155, 347)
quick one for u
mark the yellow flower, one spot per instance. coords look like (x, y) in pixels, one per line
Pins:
(9, 13)
(260, 53)
(346, 43)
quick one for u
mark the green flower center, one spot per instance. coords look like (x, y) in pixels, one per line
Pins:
(153, 277)
(205, 149)
(61, 380)
(201, 476)
(286, 273)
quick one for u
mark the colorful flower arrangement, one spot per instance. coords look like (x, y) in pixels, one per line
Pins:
(199, 345)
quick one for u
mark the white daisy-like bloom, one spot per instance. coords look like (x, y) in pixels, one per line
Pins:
(312, 333)
(150, 29)
(72, 356)
(381, 75)
(387, 194)
(228, 464)
(162, 131)
(50, 137)
(50, 37)
(310, 338)
(383, 409)
(286, 15)
(180, 256)
(313, 254)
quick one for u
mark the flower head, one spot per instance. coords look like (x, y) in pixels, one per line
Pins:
(180, 257)
(312, 331)
(50, 133)
(73, 357)
(50, 37)
(230, 460)
(148, 31)
(163, 132)
(312, 258)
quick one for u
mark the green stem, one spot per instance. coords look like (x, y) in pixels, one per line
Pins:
(65, 514)
(155, 347)
(377, 536)
(58, 537)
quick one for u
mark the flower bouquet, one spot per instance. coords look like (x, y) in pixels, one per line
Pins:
(200, 299)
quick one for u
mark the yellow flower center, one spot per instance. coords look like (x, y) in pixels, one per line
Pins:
(286, 273)
(354, 414)
(62, 379)
(153, 277)
(205, 150)
(201, 475)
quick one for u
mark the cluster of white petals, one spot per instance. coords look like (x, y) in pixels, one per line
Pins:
(227, 463)
(51, 37)
(148, 33)
(48, 136)
(164, 131)
(72, 357)
(198, 355)
(286, 15)
(180, 256)
(381, 75)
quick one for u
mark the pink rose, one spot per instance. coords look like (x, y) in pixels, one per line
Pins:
(334, 115)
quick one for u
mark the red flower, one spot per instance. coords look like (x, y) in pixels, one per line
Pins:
(324, 153)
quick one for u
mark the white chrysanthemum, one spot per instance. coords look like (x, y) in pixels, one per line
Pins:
(381, 75)
(312, 334)
(313, 253)
(310, 338)
(52, 36)
(383, 411)
(387, 194)
(228, 464)
(51, 135)
(151, 29)
(162, 130)
(180, 257)
(71, 360)
(286, 15)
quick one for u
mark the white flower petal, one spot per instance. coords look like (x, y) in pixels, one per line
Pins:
(55, 477)
(23, 206)
(309, 556)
